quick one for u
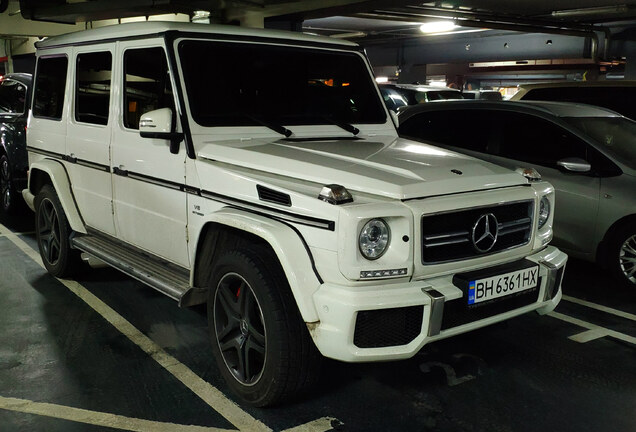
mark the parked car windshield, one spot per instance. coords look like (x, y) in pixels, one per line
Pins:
(12, 97)
(235, 84)
(616, 134)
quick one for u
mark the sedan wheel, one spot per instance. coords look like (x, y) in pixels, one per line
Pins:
(627, 259)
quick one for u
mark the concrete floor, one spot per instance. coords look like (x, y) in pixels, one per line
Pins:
(109, 354)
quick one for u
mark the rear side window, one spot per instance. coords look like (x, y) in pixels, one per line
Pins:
(12, 97)
(465, 129)
(50, 82)
(146, 84)
(92, 97)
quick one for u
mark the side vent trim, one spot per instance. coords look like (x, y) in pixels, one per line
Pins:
(272, 196)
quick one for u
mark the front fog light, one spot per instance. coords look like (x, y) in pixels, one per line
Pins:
(374, 239)
(544, 211)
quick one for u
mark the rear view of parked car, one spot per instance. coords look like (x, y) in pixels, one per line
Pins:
(618, 96)
(15, 91)
(587, 153)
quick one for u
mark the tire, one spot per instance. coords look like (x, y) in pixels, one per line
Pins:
(621, 254)
(259, 340)
(7, 192)
(53, 235)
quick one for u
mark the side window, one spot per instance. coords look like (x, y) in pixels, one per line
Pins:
(531, 139)
(12, 97)
(50, 82)
(146, 84)
(92, 98)
(465, 129)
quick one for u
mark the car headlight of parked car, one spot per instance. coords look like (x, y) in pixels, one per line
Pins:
(544, 211)
(374, 239)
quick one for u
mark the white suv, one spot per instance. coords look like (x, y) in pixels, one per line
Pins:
(260, 172)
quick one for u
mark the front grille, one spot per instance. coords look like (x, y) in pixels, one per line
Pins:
(388, 327)
(458, 312)
(449, 236)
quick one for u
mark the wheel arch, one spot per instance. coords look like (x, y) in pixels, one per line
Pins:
(52, 172)
(233, 228)
(603, 244)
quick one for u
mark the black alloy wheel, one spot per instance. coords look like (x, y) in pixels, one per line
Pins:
(6, 188)
(53, 234)
(240, 329)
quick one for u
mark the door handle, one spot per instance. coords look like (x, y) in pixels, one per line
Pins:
(120, 171)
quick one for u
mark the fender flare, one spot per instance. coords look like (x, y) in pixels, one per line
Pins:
(289, 247)
(58, 176)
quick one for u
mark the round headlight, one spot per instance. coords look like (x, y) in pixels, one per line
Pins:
(544, 211)
(374, 239)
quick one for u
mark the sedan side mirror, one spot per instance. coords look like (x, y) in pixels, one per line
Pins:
(158, 124)
(575, 164)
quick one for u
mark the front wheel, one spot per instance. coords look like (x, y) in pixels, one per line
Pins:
(52, 232)
(260, 343)
(621, 255)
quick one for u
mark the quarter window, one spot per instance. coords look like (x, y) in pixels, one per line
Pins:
(146, 83)
(49, 87)
(92, 99)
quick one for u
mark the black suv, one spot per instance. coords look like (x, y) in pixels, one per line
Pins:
(15, 97)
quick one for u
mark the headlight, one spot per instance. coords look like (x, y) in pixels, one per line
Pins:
(544, 211)
(374, 239)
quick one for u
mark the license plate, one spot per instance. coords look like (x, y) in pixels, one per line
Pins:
(481, 290)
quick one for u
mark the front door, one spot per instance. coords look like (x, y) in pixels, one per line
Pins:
(149, 202)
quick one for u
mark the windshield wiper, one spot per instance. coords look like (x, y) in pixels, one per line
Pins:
(273, 126)
(342, 125)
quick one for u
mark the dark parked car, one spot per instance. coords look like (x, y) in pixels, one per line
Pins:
(588, 153)
(615, 95)
(399, 95)
(15, 96)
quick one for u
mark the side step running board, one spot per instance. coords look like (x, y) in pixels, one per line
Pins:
(165, 277)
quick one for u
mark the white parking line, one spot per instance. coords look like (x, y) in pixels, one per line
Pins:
(27, 233)
(601, 308)
(598, 329)
(321, 425)
(97, 418)
(208, 393)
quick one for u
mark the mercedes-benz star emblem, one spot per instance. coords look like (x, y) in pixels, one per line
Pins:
(485, 232)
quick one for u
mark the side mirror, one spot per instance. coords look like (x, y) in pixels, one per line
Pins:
(158, 124)
(575, 164)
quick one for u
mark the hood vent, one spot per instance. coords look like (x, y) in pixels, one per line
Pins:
(270, 195)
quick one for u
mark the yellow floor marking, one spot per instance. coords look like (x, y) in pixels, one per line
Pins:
(97, 418)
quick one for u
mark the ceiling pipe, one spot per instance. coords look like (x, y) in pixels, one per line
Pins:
(494, 22)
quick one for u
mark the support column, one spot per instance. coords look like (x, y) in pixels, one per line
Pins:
(629, 51)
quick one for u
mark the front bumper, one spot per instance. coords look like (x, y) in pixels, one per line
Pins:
(405, 317)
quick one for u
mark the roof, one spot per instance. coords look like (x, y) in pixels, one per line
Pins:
(151, 28)
(557, 109)
(421, 87)
(605, 83)
(24, 78)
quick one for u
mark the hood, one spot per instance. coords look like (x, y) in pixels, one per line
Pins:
(387, 166)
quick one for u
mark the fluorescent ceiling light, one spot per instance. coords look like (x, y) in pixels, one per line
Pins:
(382, 79)
(437, 26)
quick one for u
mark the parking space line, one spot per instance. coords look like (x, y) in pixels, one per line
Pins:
(601, 308)
(203, 389)
(97, 418)
(5, 234)
(321, 425)
(590, 326)
(589, 335)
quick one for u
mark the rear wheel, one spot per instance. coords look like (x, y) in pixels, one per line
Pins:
(261, 345)
(53, 232)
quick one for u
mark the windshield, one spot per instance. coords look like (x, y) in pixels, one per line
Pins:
(12, 97)
(236, 84)
(617, 135)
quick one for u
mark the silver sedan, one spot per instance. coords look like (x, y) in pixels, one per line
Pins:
(587, 153)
